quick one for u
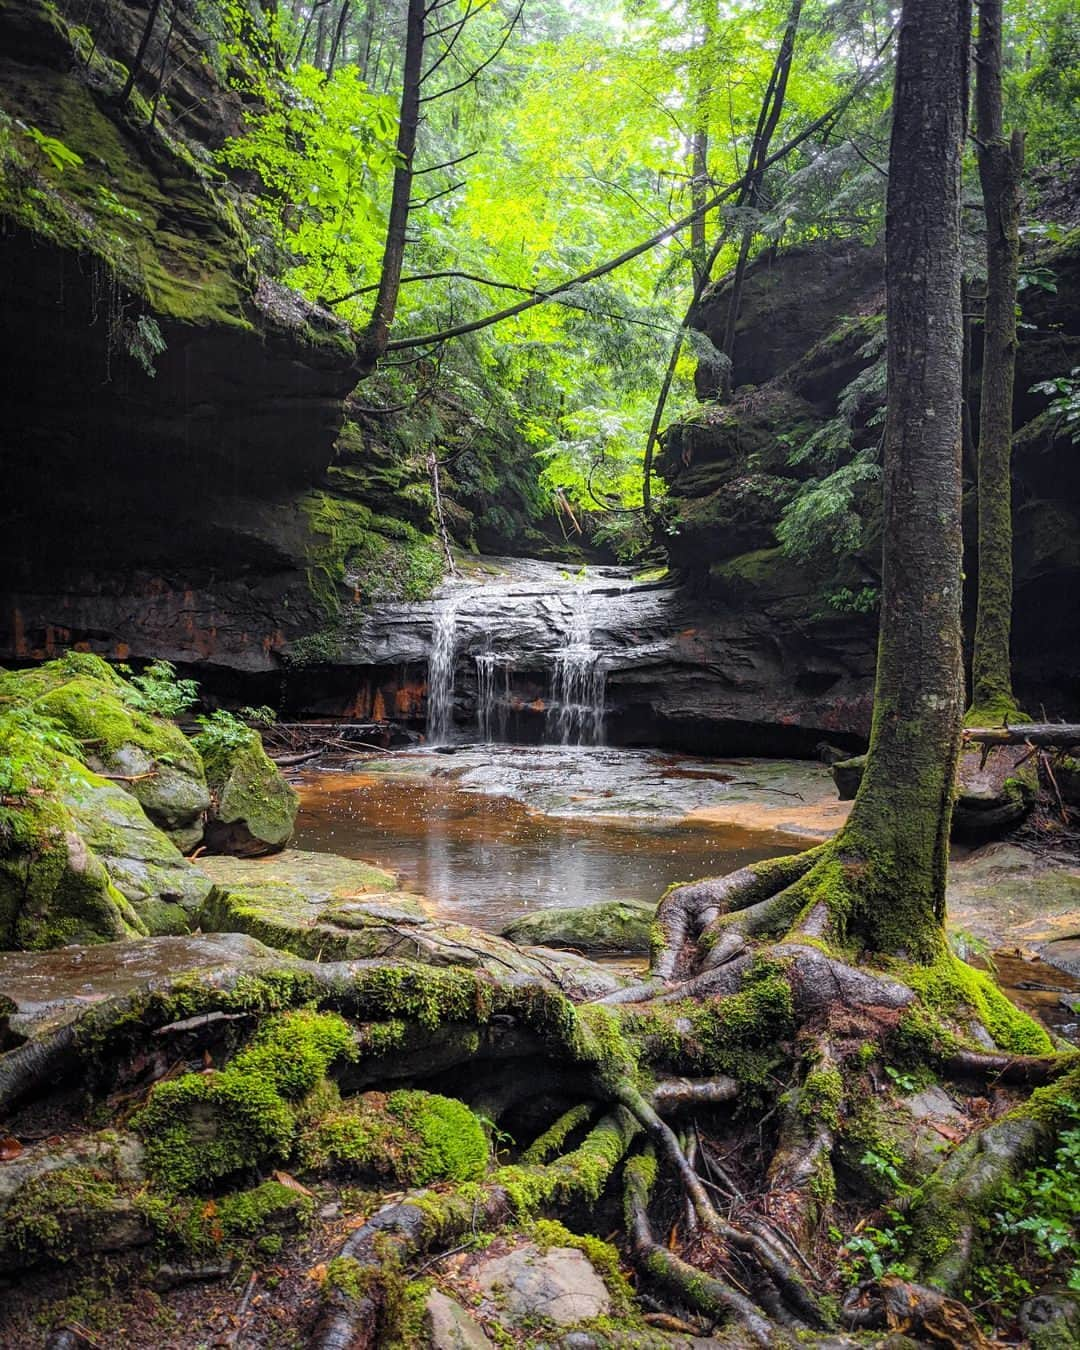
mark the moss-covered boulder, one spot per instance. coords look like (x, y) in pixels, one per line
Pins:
(142, 862)
(615, 927)
(80, 859)
(147, 756)
(54, 889)
(995, 790)
(408, 1137)
(252, 808)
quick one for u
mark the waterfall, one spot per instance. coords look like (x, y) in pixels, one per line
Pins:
(440, 690)
(576, 712)
(492, 703)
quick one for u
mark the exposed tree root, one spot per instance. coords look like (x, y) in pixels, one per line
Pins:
(400, 1232)
(694, 1047)
(705, 1293)
(687, 911)
(897, 1305)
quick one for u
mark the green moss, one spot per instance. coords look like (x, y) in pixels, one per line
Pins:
(61, 1211)
(228, 1223)
(951, 989)
(743, 1034)
(294, 1050)
(248, 788)
(205, 1126)
(553, 1138)
(822, 1095)
(413, 1137)
(382, 558)
(599, 1041)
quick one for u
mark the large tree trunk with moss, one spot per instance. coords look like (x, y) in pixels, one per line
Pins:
(895, 844)
(1000, 168)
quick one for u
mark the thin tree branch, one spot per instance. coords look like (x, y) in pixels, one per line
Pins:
(471, 78)
(543, 296)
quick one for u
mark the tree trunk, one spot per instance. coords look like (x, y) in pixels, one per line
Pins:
(144, 42)
(364, 40)
(702, 69)
(894, 848)
(339, 33)
(1000, 167)
(394, 249)
(771, 107)
(320, 40)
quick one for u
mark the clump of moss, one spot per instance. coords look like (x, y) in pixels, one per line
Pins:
(951, 989)
(414, 1137)
(228, 1222)
(48, 1209)
(742, 1034)
(379, 556)
(205, 1126)
(822, 1095)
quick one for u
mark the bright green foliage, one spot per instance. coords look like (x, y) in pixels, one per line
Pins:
(1035, 1229)
(159, 690)
(1064, 406)
(321, 148)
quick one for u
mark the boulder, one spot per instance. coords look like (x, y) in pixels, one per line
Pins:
(84, 864)
(323, 878)
(448, 1326)
(616, 927)
(252, 809)
(145, 866)
(847, 775)
(559, 1285)
(1051, 1320)
(54, 888)
(148, 756)
(995, 791)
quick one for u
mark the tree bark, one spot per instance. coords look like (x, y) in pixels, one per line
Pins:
(144, 42)
(1001, 164)
(772, 106)
(394, 249)
(894, 847)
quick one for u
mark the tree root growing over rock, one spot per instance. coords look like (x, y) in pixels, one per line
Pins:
(779, 1050)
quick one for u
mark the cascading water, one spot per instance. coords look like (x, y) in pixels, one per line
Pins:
(492, 701)
(576, 712)
(440, 684)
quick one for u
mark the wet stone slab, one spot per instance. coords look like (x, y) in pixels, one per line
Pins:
(40, 991)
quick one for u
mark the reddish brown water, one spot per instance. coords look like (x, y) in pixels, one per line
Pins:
(489, 859)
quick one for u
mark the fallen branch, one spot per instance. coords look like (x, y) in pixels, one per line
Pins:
(1059, 735)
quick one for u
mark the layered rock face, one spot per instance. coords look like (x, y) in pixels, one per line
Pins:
(167, 404)
(542, 654)
(808, 375)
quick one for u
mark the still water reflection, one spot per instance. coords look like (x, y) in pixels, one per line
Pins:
(486, 858)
